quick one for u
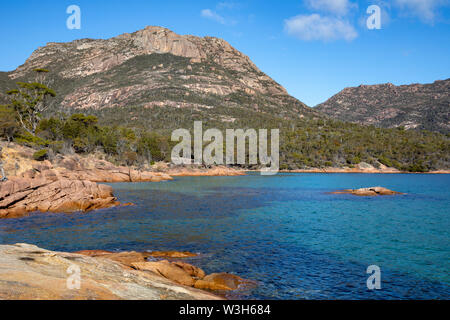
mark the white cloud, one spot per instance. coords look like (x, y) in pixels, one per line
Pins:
(426, 10)
(337, 7)
(209, 14)
(227, 5)
(315, 27)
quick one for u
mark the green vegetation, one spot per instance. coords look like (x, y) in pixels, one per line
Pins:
(82, 134)
(316, 143)
(40, 155)
(8, 123)
(306, 143)
(30, 100)
(138, 136)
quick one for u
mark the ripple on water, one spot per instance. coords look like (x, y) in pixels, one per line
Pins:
(285, 232)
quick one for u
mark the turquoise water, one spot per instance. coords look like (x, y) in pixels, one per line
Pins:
(286, 232)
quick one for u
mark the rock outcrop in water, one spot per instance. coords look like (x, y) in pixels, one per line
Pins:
(222, 281)
(178, 271)
(21, 196)
(69, 183)
(28, 273)
(369, 192)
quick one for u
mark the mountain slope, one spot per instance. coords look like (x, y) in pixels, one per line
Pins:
(5, 84)
(155, 71)
(416, 106)
(143, 85)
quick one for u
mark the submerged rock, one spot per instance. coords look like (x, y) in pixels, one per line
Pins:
(367, 192)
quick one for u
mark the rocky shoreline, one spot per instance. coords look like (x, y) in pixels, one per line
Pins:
(67, 185)
(360, 168)
(353, 170)
(218, 171)
(169, 265)
(20, 196)
(28, 272)
(70, 183)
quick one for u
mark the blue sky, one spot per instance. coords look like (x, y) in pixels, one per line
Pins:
(314, 48)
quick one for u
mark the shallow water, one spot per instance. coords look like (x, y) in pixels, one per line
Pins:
(286, 232)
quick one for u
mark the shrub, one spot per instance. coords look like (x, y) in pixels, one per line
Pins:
(79, 145)
(56, 146)
(41, 155)
(30, 140)
(417, 167)
(8, 123)
(385, 161)
(130, 157)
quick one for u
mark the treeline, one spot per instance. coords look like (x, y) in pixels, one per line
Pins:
(303, 144)
(326, 143)
(82, 134)
(139, 136)
(310, 142)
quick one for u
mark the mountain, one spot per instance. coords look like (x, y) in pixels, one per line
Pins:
(154, 77)
(5, 84)
(142, 86)
(416, 106)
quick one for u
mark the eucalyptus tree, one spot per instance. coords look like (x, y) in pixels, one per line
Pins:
(30, 100)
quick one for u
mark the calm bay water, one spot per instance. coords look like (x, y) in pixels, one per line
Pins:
(286, 232)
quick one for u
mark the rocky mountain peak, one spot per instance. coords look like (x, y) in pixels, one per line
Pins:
(414, 106)
(154, 39)
(158, 68)
(101, 55)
